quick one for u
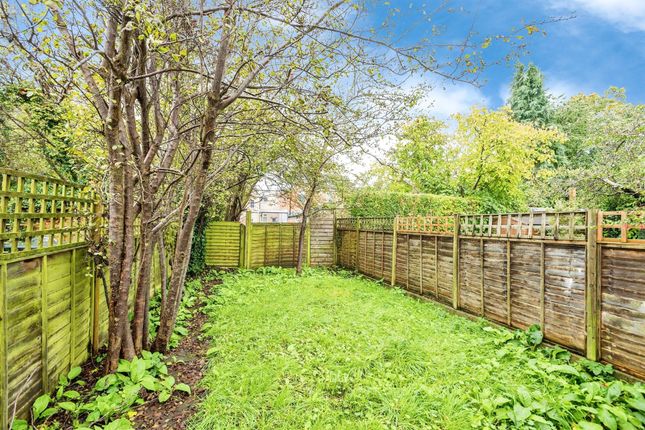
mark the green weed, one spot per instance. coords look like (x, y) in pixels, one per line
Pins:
(324, 351)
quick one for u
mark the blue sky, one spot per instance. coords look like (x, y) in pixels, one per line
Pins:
(602, 46)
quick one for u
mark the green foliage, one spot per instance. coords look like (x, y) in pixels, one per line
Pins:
(603, 155)
(498, 155)
(489, 160)
(579, 394)
(197, 263)
(193, 294)
(379, 203)
(529, 102)
(421, 157)
(46, 128)
(336, 351)
(112, 396)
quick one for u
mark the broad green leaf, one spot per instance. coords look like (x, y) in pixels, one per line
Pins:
(607, 418)
(19, 425)
(637, 403)
(120, 424)
(149, 383)
(72, 394)
(39, 406)
(73, 373)
(164, 396)
(182, 387)
(587, 425)
(68, 406)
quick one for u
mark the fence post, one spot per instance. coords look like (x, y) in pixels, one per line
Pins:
(3, 348)
(247, 239)
(358, 243)
(72, 316)
(592, 293)
(96, 299)
(44, 323)
(334, 239)
(308, 240)
(395, 229)
(455, 263)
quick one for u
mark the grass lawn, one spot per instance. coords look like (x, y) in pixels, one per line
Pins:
(328, 351)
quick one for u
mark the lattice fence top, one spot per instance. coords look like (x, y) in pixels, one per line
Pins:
(621, 226)
(367, 223)
(38, 213)
(533, 225)
(436, 225)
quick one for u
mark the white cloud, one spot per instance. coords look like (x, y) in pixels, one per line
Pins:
(504, 92)
(442, 102)
(560, 87)
(628, 15)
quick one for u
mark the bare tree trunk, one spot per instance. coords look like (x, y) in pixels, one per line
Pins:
(143, 281)
(181, 257)
(301, 236)
(163, 270)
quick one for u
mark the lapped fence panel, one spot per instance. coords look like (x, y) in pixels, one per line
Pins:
(496, 298)
(622, 330)
(322, 244)
(223, 244)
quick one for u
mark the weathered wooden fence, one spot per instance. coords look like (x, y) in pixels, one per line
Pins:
(253, 245)
(52, 306)
(579, 275)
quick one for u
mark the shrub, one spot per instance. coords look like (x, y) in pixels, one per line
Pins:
(373, 203)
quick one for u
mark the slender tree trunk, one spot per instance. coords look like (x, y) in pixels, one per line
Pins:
(301, 236)
(143, 281)
(163, 270)
(181, 257)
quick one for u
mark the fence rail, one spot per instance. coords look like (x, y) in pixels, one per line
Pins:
(577, 274)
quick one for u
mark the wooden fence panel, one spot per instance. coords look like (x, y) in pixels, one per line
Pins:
(414, 262)
(24, 334)
(82, 306)
(223, 244)
(525, 284)
(429, 269)
(622, 329)
(274, 244)
(470, 276)
(322, 240)
(495, 281)
(402, 247)
(445, 269)
(564, 295)
(58, 290)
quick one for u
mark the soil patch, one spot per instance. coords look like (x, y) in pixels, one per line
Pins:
(187, 364)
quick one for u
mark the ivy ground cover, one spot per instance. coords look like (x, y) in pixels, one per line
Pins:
(333, 351)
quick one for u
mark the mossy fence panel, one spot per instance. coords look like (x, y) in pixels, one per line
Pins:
(47, 289)
(579, 275)
(224, 242)
(52, 303)
(253, 245)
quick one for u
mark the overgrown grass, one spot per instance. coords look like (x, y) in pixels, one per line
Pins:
(328, 351)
